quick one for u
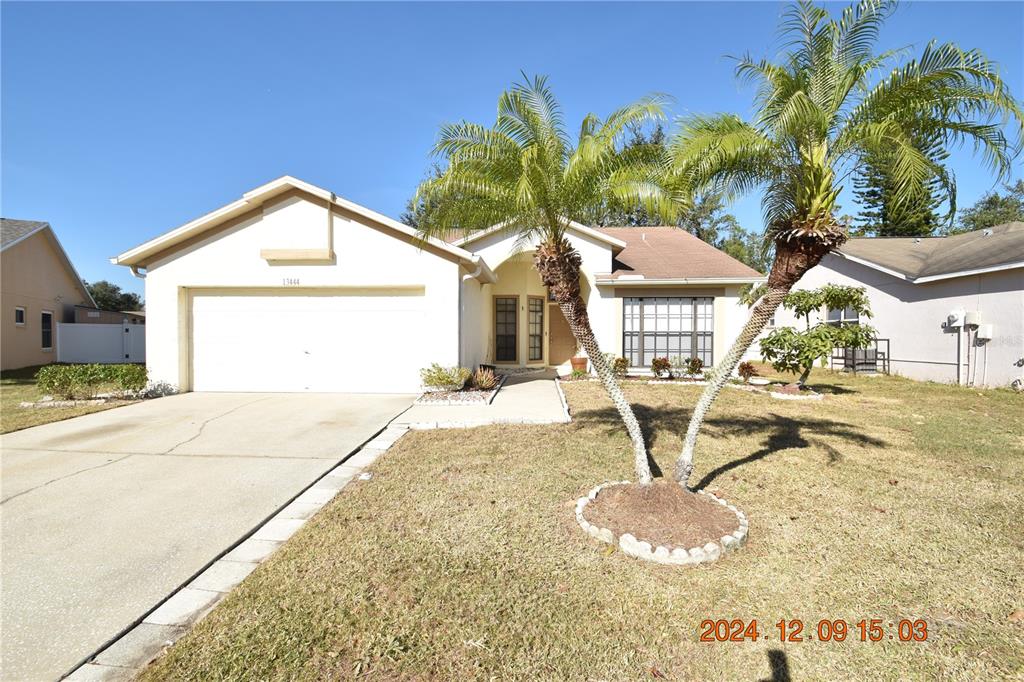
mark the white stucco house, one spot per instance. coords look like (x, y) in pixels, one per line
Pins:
(292, 288)
(947, 309)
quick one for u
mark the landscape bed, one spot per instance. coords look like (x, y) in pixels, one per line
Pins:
(461, 557)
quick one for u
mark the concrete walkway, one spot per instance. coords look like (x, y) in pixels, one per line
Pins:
(105, 515)
(523, 399)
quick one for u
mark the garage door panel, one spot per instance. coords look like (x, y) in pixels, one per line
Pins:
(292, 342)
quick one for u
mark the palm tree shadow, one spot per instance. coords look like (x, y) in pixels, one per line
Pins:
(779, 666)
(783, 433)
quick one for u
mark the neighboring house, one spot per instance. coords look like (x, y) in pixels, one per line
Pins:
(39, 288)
(915, 284)
(292, 288)
(88, 315)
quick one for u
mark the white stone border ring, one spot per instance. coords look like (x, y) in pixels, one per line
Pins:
(679, 556)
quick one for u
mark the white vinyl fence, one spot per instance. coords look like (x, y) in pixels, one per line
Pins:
(104, 343)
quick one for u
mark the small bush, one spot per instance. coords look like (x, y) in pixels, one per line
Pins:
(76, 382)
(746, 370)
(578, 375)
(694, 366)
(484, 379)
(661, 367)
(444, 378)
(620, 367)
(707, 374)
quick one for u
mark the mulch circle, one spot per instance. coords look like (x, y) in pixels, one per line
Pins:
(662, 522)
(661, 513)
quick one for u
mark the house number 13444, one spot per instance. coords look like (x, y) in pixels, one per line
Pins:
(290, 281)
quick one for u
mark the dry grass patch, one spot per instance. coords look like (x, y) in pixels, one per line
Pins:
(460, 559)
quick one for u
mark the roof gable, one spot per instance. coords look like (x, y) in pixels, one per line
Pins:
(188, 233)
(579, 228)
(14, 232)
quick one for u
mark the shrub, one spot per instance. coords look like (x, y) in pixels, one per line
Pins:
(578, 375)
(484, 379)
(85, 381)
(620, 367)
(444, 378)
(707, 374)
(661, 367)
(694, 366)
(746, 370)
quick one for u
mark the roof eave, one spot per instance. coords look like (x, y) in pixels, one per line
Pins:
(607, 281)
(576, 227)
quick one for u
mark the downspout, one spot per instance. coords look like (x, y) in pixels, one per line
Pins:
(135, 271)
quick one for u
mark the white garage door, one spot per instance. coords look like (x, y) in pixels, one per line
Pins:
(294, 341)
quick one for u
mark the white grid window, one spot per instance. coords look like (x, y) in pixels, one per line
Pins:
(669, 326)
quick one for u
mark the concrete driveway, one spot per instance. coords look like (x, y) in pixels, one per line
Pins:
(103, 515)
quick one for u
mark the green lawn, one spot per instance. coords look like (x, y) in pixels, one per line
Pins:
(460, 558)
(18, 386)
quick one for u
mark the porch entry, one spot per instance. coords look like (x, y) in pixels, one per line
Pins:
(508, 327)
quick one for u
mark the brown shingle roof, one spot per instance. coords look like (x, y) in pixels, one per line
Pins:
(671, 253)
(917, 257)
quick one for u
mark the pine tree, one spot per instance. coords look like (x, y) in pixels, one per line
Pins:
(881, 215)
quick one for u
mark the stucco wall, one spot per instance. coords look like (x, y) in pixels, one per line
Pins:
(912, 317)
(34, 277)
(366, 255)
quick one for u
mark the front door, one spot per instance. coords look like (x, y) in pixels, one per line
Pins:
(506, 337)
(561, 344)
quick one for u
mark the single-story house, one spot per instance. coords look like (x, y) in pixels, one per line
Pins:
(293, 288)
(948, 309)
(88, 315)
(39, 288)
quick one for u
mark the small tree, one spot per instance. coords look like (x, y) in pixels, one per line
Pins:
(795, 351)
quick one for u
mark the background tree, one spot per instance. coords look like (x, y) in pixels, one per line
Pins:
(108, 296)
(819, 114)
(796, 351)
(993, 209)
(526, 175)
(881, 214)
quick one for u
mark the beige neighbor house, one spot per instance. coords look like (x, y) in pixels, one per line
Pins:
(39, 288)
(292, 288)
(948, 309)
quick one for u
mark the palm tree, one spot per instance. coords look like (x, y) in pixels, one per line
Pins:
(820, 111)
(524, 174)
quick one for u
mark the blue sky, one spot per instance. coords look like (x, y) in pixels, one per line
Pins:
(121, 121)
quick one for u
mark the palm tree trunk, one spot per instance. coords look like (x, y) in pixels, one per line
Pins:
(559, 266)
(762, 312)
(793, 258)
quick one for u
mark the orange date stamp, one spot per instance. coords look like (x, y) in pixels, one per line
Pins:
(825, 630)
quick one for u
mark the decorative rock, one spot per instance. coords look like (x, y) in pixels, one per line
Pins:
(639, 549)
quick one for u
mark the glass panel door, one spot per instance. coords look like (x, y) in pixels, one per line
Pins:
(535, 324)
(505, 314)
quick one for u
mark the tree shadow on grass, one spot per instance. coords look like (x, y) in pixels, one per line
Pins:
(779, 666)
(782, 433)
